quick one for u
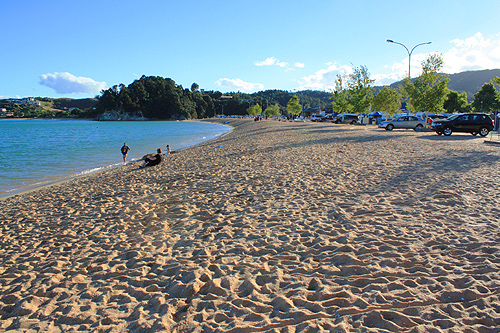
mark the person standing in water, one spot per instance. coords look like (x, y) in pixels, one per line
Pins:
(125, 150)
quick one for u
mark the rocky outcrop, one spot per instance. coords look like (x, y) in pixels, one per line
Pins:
(178, 117)
(120, 115)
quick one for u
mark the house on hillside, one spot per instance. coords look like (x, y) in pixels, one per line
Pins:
(5, 113)
(26, 101)
(310, 111)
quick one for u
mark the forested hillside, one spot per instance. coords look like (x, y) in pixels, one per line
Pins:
(162, 98)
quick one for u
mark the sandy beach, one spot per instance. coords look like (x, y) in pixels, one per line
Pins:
(286, 227)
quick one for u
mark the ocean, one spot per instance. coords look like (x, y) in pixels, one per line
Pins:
(36, 152)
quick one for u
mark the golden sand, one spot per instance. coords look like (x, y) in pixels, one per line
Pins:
(288, 227)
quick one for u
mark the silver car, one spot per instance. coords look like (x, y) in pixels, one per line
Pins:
(409, 122)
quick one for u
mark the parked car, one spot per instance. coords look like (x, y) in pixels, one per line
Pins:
(329, 117)
(408, 122)
(438, 116)
(346, 119)
(432, 117)
(317, 117)
(474, 123)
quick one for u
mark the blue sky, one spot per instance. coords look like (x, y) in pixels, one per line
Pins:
(77, 48)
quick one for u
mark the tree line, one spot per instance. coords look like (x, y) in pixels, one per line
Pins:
(156, 97)
(161, 98)
(428, 93)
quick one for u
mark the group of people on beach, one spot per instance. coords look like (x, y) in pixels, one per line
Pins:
(148, 160)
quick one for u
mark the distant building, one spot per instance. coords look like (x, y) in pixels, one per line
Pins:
(5, 113)
(28, 101)
(314, 110)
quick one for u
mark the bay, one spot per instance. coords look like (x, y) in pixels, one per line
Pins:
(37, 152)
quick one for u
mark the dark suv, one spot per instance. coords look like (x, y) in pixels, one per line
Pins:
(347, 119)
(474, 123)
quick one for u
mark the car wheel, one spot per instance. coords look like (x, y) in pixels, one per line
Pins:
(447, 131)
(419, 127)
(353, 122)
(483, 131)
(474, 133)
(389, 127)
(439, 133)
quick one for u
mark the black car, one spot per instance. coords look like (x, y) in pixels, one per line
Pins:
(474, 123)
(346, 118)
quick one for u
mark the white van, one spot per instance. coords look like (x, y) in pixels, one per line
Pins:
(317, 117)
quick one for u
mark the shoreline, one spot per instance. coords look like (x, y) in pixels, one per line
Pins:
(63, 179)
(286, 227)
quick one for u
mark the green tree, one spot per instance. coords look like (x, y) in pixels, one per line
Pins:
(293, 106)
(254, 110)
(272, 110)
(360, 90)
(76, 111)
(387, 100)
(340, 98)
(427, 93)
(487, 99)
(496, 81)
(456, 103)
(195, 87)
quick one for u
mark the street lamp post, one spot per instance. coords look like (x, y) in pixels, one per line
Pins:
(409, 55)
(409, 52)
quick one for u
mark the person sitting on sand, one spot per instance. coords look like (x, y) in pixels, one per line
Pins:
(154, 160)
(168, 150)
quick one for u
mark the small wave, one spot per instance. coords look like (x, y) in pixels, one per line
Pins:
(86, 172)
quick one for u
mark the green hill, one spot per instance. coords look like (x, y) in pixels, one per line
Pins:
(68, 103)
(470, 81)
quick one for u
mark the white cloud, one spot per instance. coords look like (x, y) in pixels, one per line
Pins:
(324, 79)
(268, 62)
(271, 61)
(386, 79)
(66, 83)
(473, 53)
(239, 85)
(399, 70)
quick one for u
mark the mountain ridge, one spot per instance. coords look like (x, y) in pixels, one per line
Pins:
(468, 81)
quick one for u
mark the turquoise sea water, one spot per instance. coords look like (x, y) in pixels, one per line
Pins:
(37, 152)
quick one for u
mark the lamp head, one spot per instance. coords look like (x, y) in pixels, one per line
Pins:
(390, 41)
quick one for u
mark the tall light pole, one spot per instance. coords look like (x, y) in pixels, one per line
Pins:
(409, 52)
